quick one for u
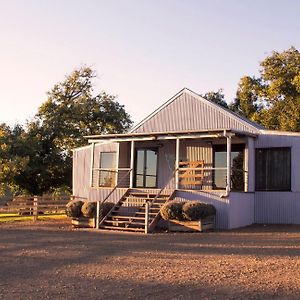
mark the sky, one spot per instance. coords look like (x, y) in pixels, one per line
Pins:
(143, 51)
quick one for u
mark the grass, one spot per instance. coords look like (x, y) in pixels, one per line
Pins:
(18, 218)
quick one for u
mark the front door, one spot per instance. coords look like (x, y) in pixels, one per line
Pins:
(146, 168)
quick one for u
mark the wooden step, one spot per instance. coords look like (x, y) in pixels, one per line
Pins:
(145, 195)
(126, 217)
(124, 222)
(122, 228)
(143, 213)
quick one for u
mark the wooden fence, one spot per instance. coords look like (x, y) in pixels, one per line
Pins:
(34, 206)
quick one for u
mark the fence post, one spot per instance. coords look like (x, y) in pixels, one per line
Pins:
(97, 215)
(35, 208)
(146, 217)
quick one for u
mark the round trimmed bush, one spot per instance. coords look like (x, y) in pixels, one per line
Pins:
(88, 209)
(172, 210)
(211, 210)
(73, 208)
(195, 210)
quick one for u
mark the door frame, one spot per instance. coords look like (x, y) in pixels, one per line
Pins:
(155, 149)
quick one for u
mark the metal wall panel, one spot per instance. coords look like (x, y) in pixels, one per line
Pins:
(186, 112)
(280, 207)
(81, 171)
(99, 194)
(241, 209)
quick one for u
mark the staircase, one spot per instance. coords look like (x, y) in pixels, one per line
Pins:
(129, 213)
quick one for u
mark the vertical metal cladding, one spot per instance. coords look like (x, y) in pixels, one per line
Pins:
(186, 112)
(82, 167)
(280, 206)
(81, 171)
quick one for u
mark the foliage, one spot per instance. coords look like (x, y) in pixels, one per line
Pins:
(72, 112)
(216, 97)
(73, 208)
(246, 102)
(37, 159)
(273, 99)
(172, 210)
(186, 210)
(195, 210)
(88, 209)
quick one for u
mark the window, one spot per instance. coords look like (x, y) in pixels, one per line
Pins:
(273, 169)
(107, 177)
(237, 167)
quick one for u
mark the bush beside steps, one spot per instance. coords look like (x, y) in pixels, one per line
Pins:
(188, 215)
(83, 214)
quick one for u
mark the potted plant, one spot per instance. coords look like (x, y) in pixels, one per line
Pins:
(189, 216)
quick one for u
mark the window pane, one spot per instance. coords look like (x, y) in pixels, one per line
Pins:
(151, 163)
(237, 167)
(273, 169)
(107, 178)
(140, 162)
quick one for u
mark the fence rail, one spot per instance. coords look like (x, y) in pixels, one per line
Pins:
(23, 206)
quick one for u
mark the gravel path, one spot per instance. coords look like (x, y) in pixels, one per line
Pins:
(50, 260)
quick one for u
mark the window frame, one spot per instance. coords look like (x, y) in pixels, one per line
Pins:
(113, 174)
(267, 189)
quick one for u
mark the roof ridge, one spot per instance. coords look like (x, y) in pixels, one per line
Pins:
(226, 111)
(242, 118)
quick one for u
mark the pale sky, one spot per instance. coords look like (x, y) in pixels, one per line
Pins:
(143, 51)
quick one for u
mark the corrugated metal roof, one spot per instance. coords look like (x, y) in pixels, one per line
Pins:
(189, 111)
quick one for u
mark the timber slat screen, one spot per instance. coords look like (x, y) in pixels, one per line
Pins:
(23, 206)
(194, 173)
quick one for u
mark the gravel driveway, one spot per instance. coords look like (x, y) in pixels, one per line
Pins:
(50, 260)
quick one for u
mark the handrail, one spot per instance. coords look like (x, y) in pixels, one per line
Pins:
(116, 186)
(109, 194)
(170, 178)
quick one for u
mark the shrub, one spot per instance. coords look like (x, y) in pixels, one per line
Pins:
(105, 208)
(88, 209)
(172, 210)
(73, 208)
(195, 210)
(211, 210)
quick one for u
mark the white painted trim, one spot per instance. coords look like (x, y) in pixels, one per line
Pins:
(92, 164)
(117, 163)
(81, 148)
(228, 163)
(177, 163)
(131, 164)
(278, 132)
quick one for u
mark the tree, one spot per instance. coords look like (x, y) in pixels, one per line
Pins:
(216, 97)
(246, 101)
(13, 158)
(273, 99)
(72, 111)
(38, 159)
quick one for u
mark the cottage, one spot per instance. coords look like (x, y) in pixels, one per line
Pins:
(193, 149)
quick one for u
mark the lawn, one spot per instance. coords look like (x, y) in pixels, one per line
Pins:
(50, 260)
(43, 217)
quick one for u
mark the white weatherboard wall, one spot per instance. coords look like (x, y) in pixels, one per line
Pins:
(280, 207)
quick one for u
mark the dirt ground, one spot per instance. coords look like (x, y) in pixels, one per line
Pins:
(50, 260)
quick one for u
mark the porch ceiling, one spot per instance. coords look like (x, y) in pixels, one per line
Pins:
(196, 134)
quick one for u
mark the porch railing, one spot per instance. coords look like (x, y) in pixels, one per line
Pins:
(109, 177)
(197, 176)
